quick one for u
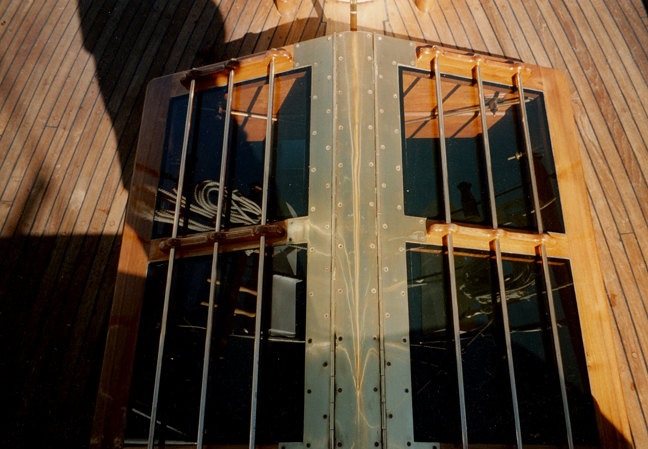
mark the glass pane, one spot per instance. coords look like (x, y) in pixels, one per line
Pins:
(487, 383)
(289, 173)
(422, 178)
(467, 176)
(435, 396)
(202, 165)
(541, 411)
(579, 396)
(281, 382)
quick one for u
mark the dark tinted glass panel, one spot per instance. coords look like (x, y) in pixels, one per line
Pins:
(290, 156)
(422, 179)
(487, 384)
(435, 396)
(281, 383)
(541, 410)
(467, 175)
(489, 405)
(202, 164)
(581, 406)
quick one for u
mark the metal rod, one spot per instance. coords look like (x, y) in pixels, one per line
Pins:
(529, 152)
(545, 263)
(264, 218)
(498, 257)
(353, 19)
(167, 290)
(554, 332)
(451, 265)
(214, 267)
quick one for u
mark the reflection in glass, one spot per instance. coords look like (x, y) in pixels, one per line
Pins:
(288, 196)
(281, 385)
(466, 167)
(486, 377)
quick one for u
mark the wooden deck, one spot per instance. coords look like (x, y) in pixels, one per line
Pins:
(73, 75)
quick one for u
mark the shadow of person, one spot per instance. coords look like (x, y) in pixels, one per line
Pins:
(133, 42)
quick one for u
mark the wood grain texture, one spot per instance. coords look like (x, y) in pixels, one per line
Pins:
(73, 74)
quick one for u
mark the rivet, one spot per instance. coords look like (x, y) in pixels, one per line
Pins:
(329, 38)
(398, 168)
(339, 204)
(404, 340)
(373, 290)
(340, 58)
(393, 62)
(328, 111)
(369, 91)
(395, 95)
(391, 416)
(313, 169)
(340, 165)
(406, 390)
(401, 249)
(384, 225)
(340, 127)
(412, 63)
(311, 294)
(370, 127)
(375, 337)
(382, 147)
(380, 76)
(372, 245)
(308, 391)
(328, 77)
(411, 44)
(375, 388)
(339, 391)
(371, 164)
(402, 293)
(314, 133)
(325, 364)
(387, 315)
(379, 38)
(316, 64)
(409, 443)
(371, 204)
(368, 58)
(388, 363)
(399, 207)
(327, 185)
(326, 226)
(328, 147)
(313, 209)
(382, 111)
(339, 92)
(339, 290)
(383, 185)
(340, 245)
(396, 131)
(326, 315)
(296, 64)
(386, 269)
(312, 248)
(297, 45)
(314, 97)
(326, 269)
(422, 221)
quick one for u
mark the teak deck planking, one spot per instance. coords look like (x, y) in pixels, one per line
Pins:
(72, 81)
